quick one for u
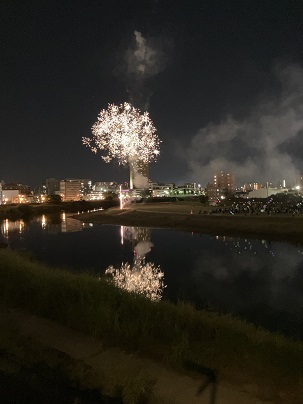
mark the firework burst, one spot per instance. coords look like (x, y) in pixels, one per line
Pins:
(124, 133)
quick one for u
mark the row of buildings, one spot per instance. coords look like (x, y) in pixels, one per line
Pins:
(68, 189)
(75, 189)
(224, 185)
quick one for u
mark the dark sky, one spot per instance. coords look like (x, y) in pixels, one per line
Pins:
(224, 90)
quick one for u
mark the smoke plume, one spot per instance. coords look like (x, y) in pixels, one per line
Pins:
(140, 181)
(263, 146)
(144, 60)
(142, 248)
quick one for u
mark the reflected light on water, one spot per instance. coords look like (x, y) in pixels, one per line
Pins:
(122, 234)
(48, 223)
(14, 227)
(5, 227)
(43, 222)
(140, 277)
(144, 279)
(21, 226)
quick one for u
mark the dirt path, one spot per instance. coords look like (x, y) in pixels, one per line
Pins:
(170, 387)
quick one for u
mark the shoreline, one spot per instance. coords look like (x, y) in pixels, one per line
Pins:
(285, 228)
(27, 211)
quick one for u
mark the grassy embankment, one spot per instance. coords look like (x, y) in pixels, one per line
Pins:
(178, 216)
(241, 354)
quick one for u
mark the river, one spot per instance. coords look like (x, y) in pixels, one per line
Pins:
(260, 281)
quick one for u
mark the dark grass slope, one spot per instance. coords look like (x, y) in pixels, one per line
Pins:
(238, 352)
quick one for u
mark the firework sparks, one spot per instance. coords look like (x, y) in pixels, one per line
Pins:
(124, 133)
(144, 279)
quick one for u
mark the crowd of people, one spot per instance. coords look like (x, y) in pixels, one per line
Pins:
(269, 206)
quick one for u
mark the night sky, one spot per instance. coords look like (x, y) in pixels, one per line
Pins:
(223, 83)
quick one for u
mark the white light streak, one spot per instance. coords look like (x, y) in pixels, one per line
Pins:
(121, 198)
(122, 234)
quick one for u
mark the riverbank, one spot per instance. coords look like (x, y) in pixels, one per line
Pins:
(27, 211)
(225, 350)
(186, 217)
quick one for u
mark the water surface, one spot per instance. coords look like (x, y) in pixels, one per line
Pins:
(260, 281)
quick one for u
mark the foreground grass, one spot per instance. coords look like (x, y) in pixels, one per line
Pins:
(268, 364)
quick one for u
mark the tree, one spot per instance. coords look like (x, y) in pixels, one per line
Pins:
(54, 199)
(203, 199)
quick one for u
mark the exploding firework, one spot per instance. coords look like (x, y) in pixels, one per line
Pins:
(144, 279)
(124, 133)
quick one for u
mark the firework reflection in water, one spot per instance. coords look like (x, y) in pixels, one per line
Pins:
(144, 279)
(140, 277)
